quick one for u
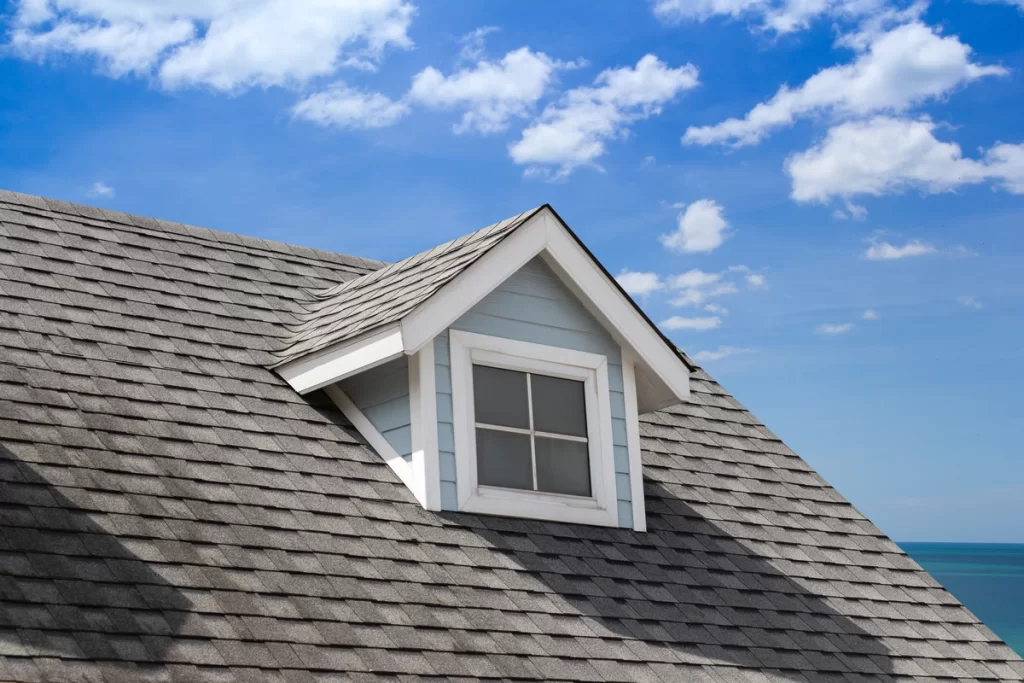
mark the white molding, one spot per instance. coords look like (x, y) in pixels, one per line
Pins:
(446, 306)
(601, 508)
(616, 312)
(376, 440)
(338, 362)
(636, 467)
(423, 411)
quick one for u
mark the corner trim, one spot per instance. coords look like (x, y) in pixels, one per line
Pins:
(374, 438)
(636, 467)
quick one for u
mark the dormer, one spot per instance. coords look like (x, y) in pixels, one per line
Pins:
(502, 373)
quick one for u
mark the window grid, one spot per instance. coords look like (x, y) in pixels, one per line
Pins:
(531, 432)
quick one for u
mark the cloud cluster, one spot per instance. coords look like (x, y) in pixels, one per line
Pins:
(490, 92)
(227, 45)
(896, 70)
(575, 130)
(886, 155)
(700, 228)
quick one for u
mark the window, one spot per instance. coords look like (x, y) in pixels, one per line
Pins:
(532, 430)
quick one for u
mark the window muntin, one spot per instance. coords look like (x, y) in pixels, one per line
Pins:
(531, 431)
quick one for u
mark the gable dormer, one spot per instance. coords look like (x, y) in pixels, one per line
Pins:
(501, 373)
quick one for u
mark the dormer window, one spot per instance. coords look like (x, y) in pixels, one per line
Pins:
(532, 430)
(502, 373)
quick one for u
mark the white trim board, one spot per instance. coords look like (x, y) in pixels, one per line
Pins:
(376, 440)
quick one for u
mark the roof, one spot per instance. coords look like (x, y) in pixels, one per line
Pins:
(171, 510)
(348, 309)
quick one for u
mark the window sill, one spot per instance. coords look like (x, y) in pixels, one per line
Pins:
(552, 507)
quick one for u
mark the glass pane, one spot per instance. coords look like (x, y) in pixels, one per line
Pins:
(503, 459)
(562, 467)
(499, 397)
(559, 405)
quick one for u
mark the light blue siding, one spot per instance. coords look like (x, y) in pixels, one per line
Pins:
(382, 394)
(534, 306)
(445, 427)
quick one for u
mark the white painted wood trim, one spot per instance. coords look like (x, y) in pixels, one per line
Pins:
(611, 307)
(338, 362)
(446, 306)
(376, 440)
(423, 409)
(601, 508)
(636, 468)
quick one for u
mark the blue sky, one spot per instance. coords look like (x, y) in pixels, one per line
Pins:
(822, 201)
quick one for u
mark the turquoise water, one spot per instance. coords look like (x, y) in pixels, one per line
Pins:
(988, 578)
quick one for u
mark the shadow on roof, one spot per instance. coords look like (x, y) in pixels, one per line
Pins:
(708, 597)
(68, 585)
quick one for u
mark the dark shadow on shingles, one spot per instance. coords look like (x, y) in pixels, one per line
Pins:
(68, 587)
(683, 610)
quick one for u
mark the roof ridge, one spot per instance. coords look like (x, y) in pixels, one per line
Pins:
(220, 237)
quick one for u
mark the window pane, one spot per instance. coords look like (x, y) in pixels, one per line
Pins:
(562, 467)
(499, 397)
(503, 459)
(559, 405)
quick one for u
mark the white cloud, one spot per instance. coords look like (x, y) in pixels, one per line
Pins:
(781, 16)
(100, 189)
(719, 353)
(869, 315)
(887, 155)
(648, 161)
(227, 44)
(491, 92)
(899, 68)
(346, 107)
(473, 43)
(640, 284)
(700, 228)
(573, 132)
(697, 286)
(884, 251)
(834, 328)
(968, 302)
(697, 324)
(754, 280)
(717, 309)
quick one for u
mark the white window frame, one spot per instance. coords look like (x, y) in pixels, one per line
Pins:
(600, 508)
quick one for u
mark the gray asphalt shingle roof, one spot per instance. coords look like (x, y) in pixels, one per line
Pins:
(170, 510)
(384, 296)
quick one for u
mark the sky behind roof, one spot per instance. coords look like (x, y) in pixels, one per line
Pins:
(823, 203)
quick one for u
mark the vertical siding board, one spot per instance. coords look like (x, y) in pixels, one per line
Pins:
(534, 306)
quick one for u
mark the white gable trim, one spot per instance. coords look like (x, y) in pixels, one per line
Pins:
(343, 360)
(662, 379)
(376, 440)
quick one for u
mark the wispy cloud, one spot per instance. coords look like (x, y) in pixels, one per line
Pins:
(639, 284)
(697, 324)
(100, 189)
(869, 314)
(884, 251)
(969, 302)
(719, 353)
(834, 328)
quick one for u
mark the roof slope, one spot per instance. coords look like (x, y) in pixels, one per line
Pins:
(347, 310)
(170, 510)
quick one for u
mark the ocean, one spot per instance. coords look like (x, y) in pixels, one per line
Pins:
(988, 578)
